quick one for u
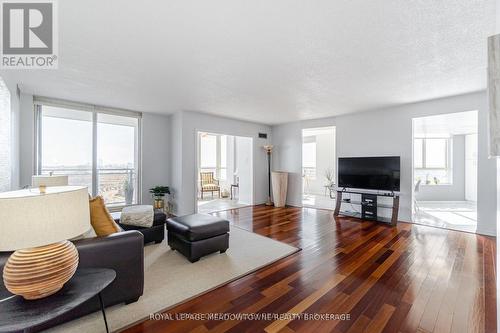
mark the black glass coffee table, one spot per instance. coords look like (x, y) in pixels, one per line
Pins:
(20, 315)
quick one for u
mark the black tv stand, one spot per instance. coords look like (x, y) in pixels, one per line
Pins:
(369, 206)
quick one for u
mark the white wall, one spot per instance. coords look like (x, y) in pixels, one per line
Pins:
(497, 31)
(155, 153)
(244, 163)
(389, 132)
(185, 126)
(456, 190)
(176, 159)
(287, 156)
(5, 138)
(14, 130)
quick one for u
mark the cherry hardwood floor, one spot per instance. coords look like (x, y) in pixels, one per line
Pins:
(409, 278)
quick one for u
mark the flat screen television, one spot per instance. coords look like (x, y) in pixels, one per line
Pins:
(370, 173)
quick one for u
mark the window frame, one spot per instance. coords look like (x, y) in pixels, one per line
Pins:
(448, 158)
(95, 110)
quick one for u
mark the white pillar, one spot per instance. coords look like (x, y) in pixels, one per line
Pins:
(494, 93)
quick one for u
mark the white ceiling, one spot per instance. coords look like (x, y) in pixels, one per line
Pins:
(458, 123)
(266, 61)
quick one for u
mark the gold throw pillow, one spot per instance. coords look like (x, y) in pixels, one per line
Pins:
(101, 220)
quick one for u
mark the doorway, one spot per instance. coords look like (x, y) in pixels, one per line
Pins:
(445, 170)
(318, 167)
(224, 172)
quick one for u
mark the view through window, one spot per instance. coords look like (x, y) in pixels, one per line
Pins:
(66, 146)
(116, 158)
(309, 160)
(213, 155)
(431, 160)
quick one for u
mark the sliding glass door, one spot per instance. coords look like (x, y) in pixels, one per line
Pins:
(95, 149)
(116, 158)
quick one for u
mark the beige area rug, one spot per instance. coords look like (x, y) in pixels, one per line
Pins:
(171, 279)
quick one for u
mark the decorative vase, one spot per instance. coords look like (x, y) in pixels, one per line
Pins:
(39, 272)
(129, 196)
(159, 203)
(129, 188)
(280, 183)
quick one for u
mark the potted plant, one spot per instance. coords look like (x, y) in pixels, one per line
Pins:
(128, 188)
(158, 193)
(329, 175)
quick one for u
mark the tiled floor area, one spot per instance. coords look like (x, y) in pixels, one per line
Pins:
(318, 201)
(450, 215)
(216, 205)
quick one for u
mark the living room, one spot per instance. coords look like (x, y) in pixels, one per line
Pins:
(233, 166)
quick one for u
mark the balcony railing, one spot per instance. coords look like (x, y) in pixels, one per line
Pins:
(118, 186)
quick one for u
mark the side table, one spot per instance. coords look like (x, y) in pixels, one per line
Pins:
(234, 186)
(20, 315)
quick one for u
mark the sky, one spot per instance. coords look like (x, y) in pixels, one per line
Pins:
(68, 142)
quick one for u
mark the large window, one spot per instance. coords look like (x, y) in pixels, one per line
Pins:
(213, 154)
(65, 144)
(432, 160)
(97, 149)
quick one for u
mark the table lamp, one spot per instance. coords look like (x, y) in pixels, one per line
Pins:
(37, 227)
(42, 181)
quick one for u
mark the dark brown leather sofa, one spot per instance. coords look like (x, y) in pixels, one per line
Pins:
(123, 252)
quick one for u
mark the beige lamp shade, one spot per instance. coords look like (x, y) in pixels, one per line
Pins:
(31, 219)
(59, 180)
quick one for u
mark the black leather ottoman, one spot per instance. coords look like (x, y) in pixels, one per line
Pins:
(155, 233)
(197, 235)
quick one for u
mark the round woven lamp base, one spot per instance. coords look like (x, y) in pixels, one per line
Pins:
(40, 271)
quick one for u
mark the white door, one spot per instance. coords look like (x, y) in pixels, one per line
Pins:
(244, 165)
